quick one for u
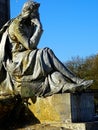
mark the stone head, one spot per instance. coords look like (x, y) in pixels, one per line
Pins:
(30, 7)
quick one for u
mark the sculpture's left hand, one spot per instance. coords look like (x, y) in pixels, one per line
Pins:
(36, 22)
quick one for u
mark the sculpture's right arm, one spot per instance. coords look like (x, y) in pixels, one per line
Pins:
(34, 40)
(21, 36)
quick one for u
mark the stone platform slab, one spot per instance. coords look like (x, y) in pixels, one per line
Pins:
(64, 108)
(67, 126)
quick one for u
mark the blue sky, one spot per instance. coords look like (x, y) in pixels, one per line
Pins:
(70, 26)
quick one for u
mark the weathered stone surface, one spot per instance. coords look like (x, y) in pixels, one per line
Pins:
(63, 108)
(55, 108)
(72, 126)
(43, 127)
(27, 121)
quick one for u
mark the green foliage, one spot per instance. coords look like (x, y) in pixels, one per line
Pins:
(86, 68)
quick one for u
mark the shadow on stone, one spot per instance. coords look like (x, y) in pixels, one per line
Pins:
(19, 117)
(92, 126)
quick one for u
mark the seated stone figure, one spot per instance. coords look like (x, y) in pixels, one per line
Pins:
(23, 64)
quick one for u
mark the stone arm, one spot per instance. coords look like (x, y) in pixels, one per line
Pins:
(22, 36)
(34, 40)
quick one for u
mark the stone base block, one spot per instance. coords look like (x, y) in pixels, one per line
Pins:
(63, 108)
(53, 109)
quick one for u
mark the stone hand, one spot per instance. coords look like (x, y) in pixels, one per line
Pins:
(36, 22)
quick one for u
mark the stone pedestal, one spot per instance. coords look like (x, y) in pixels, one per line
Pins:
(52, 109)
(64, 108)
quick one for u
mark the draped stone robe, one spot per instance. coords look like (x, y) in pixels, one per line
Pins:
(37, 69)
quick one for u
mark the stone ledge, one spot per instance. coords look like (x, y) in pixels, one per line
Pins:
(78, 126)
(72, 126)
(64, 108)
(43, 127)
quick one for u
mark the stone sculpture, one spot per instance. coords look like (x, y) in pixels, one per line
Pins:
(23, 64)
